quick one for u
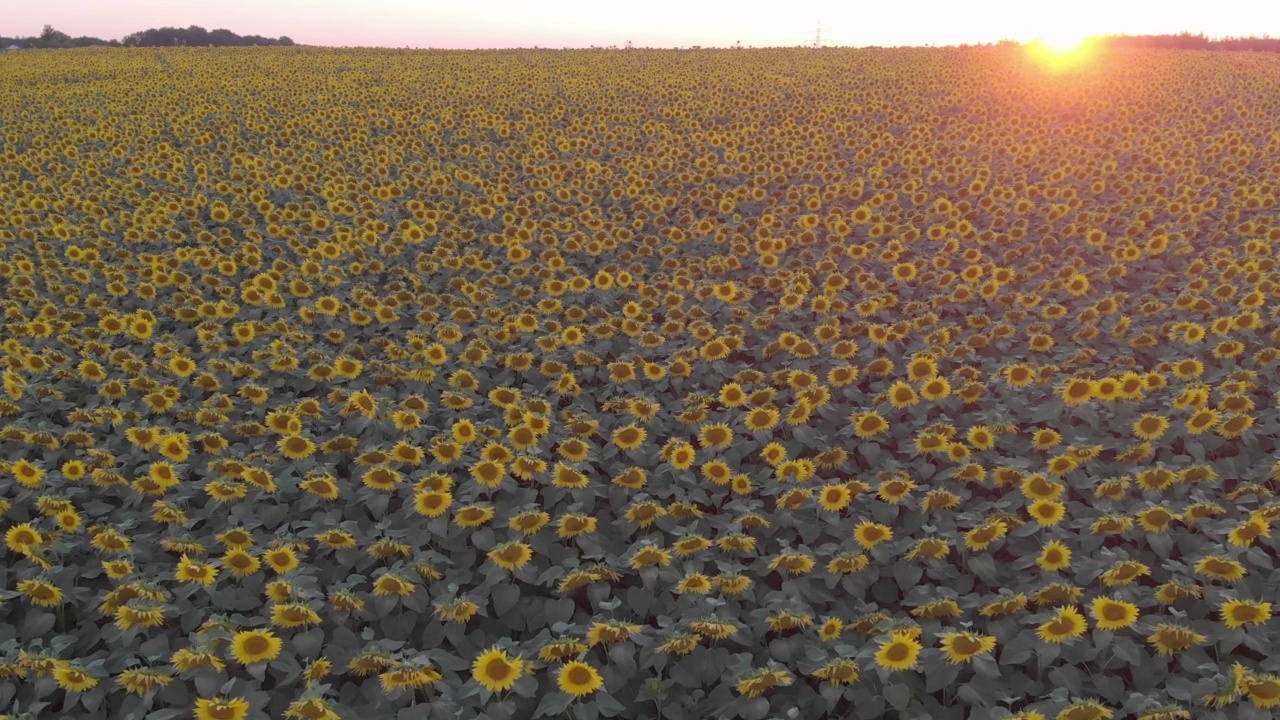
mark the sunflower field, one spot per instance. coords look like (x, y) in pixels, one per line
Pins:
(916, 384)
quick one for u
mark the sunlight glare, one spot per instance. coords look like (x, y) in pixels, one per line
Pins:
(1063, 51)
(1062, 41)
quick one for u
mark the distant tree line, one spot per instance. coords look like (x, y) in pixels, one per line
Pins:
(194, 36)
(1188, 41)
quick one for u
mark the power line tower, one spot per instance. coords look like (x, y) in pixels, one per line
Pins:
(817, 37)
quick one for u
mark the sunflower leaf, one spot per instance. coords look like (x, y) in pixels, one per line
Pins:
(553, 703)
(505, 597)
(898, 696)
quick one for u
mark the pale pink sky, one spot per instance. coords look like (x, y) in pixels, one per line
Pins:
(656, 23)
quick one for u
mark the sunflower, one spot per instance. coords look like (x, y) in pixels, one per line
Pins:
(281, 559)
(1125, 572)
(902, 395)
(695, 583)
(296, 447)
(934, 389)
(981, 537)
(1264, 691)
(629, 437)
(562, 649)
(22, 538)
(796, 563)
(117, 569)
(578, 679)
(240, 563)
(713, 628)
(650, 555)
(196, 572)
(1244, 534)
(732, 395)
(74, 678)
(1235, 425)
(393, 584)
(1167, 639)
(529, 522)
(1111, 614)
(1037, 486)
(761, 682)
(831, 629)
(1046, 439)
(940, 499)
(868, 534)
(1054, 556)
(574, 525)
(834, 498)
(1151, 426)
(981, 437)
(295, 614)
(1019, 375)
(868, 424)
(961, 647)
(1077, 392)
(1221, 568)
(496, 670)
(682, 455)
(139, 681)
(921, 367)
(1238, 613)
(512, 555)
(473, 516)
(715, 436)
(763, 418)
(312, 708)
(255, 646)
(610, 631)
(1173, 591)
(899, 652)
(1156, 519)
(1085, 710)
(432, 503)
(1047, 512)
(27, 474)
(221, 708)
(1067, 623)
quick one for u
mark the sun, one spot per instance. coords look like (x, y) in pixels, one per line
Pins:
(1064, 40)
(1063, 50)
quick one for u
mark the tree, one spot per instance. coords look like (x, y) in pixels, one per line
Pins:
(50, 38)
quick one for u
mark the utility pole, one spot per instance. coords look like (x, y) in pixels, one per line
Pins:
(817, 36)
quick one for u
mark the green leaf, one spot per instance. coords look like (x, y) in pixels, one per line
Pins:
(907, 574)
(940, 677)
(553, 703)
(505, 597)
(1161, 544)
(38, 624)
(898, 696)
(608, 705)
(984, 566)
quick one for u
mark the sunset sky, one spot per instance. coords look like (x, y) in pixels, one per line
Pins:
(655, 23)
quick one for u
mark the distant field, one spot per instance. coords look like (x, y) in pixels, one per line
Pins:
(642, 384)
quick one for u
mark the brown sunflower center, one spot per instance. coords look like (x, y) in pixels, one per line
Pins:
(1244, 613)
(1266, 690)
(578, 675)
(897, 652)
(1112, 612)
(966, 645)
(1061, 626)
(256, 645)
(498, 669)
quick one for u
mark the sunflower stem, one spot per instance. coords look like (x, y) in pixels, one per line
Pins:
(660, 697)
